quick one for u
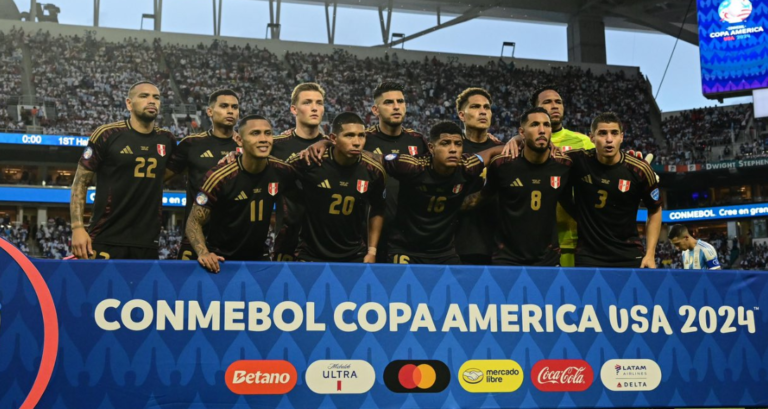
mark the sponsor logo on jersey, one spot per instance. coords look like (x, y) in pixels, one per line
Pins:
(324, 184)
(377, 151)
(655, 194)
(145, 148)
(161, 149)
(457, 189)
(241, 196)
(272, 189)
(630, 375)
(391, 156)
(340, 377)
(624, 185)
(413, 150)
(427, 376)
(206, 154)
(362, 186)
(491, 375)
(517, 183)
(587, 179)
(127, 151)
(87, 153)
(554, 181)
(562, 375)
(201, 199)
(261, 377)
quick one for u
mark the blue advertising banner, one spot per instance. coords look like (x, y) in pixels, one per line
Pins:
(62, 195)
(141, 334)
(43, 140)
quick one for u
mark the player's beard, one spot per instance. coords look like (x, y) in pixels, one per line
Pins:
(392, 124)
(532, 146)
(145, 117)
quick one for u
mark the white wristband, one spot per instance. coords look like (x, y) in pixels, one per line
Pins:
(372, 251)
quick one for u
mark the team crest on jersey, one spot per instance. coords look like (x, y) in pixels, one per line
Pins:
(554, 181)
(239, 150)
(413, 150)
(391, 156)
(88, 153)
(457, 189)
(201, 199)
(624, 185)
(272, 189)
(161, 149)
(362, 186)
(565, 148)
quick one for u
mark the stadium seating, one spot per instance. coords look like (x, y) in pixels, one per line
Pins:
(10, 74)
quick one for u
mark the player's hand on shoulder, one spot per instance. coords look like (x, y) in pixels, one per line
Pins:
(494, 139)
(511, 148)
(81, 244)
(648, 158)
(231, 157)
(210, 261)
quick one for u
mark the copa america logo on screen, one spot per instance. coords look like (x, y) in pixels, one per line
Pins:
(734, 11)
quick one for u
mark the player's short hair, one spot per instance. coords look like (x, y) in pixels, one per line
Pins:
(463, 99)
(216, 94)
(130, 90)
(677, 231)
(607, 118)
(252, 117)
(307, 86)
(440, 128)
(345, 118)
(536, 110)
(387, 86)
(535, 96)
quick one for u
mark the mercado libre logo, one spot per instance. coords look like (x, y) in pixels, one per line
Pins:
(426, 376)
(490, 375)
(50, 324)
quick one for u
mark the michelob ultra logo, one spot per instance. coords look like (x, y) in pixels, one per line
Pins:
(261, 377)
(340, 377)
(491, 375)
(630, 375)
(427, 376)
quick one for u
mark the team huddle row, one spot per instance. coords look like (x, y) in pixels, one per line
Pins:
(384, 194)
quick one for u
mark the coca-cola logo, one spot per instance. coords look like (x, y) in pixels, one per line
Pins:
(562, 375)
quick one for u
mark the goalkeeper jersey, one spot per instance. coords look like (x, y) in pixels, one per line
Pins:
(566, 226)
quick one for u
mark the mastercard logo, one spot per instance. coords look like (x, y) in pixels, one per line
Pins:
(426, 376)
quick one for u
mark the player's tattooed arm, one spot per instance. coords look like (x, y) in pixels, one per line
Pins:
(199, 217)
(81, 241)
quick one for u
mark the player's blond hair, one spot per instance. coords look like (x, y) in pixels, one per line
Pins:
(307, 86)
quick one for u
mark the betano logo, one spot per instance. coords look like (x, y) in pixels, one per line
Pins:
(340, 377)
(426, 376)
(491, 375)
(261, 377)
(562, 375)
(630, 375)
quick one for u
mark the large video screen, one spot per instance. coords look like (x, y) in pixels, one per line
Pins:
(733, 45)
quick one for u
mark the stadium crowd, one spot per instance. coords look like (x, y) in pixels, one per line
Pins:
(755, 258)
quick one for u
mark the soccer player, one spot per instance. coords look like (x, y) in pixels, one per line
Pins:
(609, 184)
(548, 98)
(432, 189)
(339, 195)
(129, 160)
(697, 254)
(307, 105)
(235, 200)
(528, 188)
(198, 153)
(389, 136)
(475, 242)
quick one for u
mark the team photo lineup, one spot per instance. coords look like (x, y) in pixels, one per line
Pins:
(453, 194)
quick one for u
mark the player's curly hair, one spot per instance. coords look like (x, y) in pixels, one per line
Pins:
(440, 128)
(463, 99)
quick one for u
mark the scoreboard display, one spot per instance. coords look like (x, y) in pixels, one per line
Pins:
(733, 46)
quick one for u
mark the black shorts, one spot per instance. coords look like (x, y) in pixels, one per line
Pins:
(504, 257)
(475, 259)
(107, 252)
(404, 258)
(587, 261)
(186, 252)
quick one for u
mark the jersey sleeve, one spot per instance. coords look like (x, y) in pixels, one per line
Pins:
(492, 176)
(651, 194)
(212, 186)
(180, 157)
(710, 259)
(403, 167)
(472, 165)
(96, 151)
(376, 198)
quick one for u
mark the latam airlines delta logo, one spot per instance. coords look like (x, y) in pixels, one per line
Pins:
(340, 377)
(734, 11)
(630, 375)
(491, 375)
(261, 377)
